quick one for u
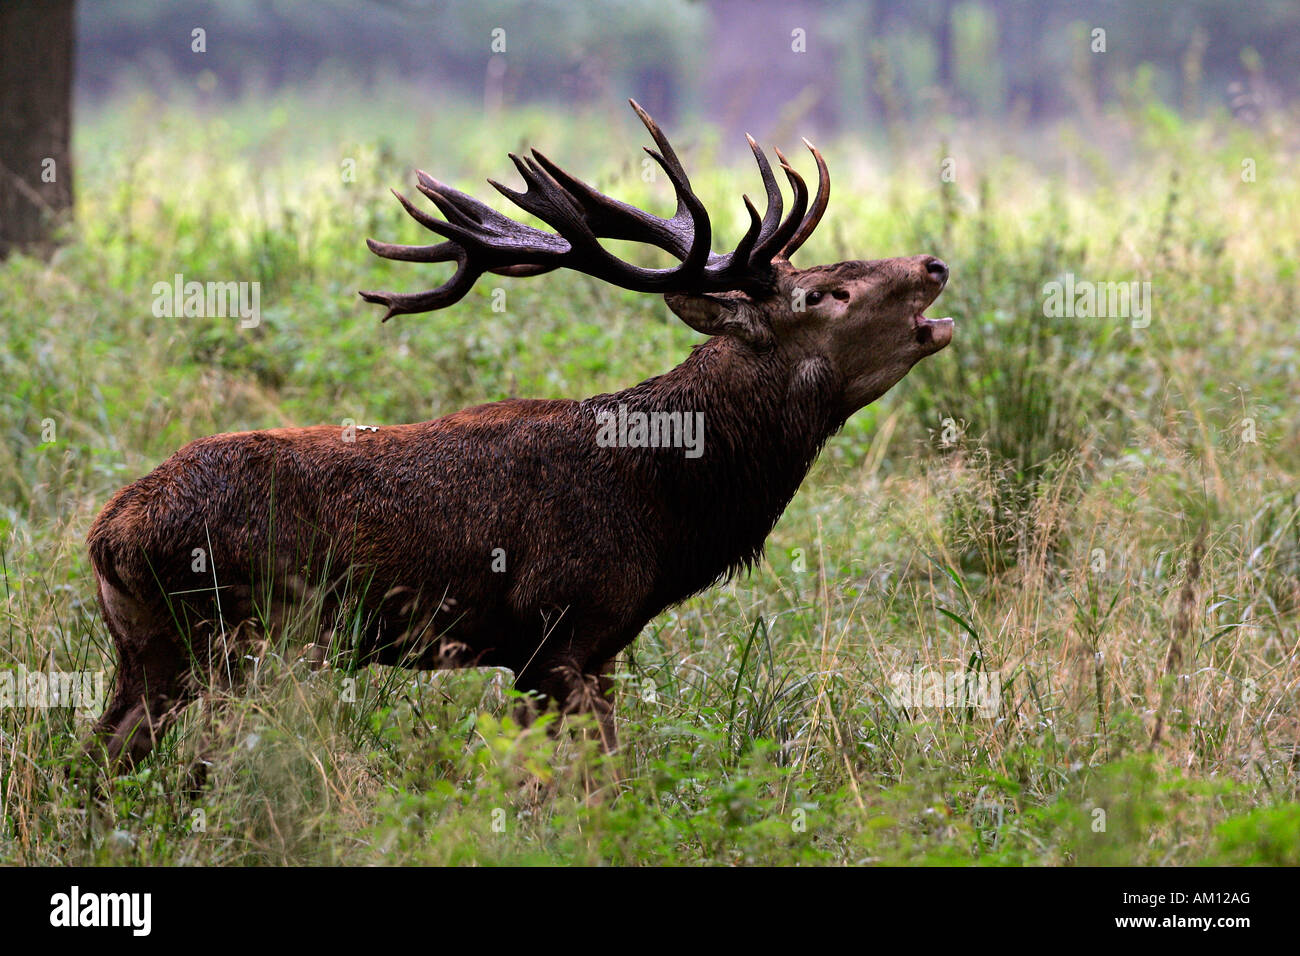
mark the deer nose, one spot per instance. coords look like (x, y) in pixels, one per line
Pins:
(937, 268)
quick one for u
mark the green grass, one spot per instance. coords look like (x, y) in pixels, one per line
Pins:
(1047, 542)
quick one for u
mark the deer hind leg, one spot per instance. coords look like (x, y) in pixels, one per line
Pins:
(152, 685)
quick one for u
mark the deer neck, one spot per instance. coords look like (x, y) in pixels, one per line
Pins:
(758, 420)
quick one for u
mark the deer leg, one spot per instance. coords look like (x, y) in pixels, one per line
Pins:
(569, 688)
(150, 688)
(605, 711)
(149, 694)
(227, 676)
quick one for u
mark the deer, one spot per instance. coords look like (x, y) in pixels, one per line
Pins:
(520, 534)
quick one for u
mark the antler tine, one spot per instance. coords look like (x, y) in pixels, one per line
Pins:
(451, 230)
(769, 249)
(493, 235)
(542, 196)
(549, 201)
(672, 165)
(689, 210)
(571, 212)
(687, 235)
(746, 244)
(442, 252)
(612, 219)
(436, 191)
(617, 220)
(449, 293)
(610, 267)
(400, 303)
(735, 269)
(772, 216)
(688, 204)
(447, 196)
(818, 209)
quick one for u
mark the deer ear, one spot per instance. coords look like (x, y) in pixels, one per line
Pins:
(715, 315)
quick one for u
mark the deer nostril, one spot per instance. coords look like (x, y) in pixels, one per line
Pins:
(938, 270)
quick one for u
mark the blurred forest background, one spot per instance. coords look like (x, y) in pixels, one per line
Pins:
(863, 63)
(1043, 79)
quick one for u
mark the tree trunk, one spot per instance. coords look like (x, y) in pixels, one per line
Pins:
(36, 38)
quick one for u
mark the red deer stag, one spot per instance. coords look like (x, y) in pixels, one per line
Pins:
(523, 534)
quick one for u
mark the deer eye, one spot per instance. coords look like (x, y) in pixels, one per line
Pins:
(812, 298)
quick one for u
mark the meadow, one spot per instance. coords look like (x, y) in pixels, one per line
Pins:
(1094, 520)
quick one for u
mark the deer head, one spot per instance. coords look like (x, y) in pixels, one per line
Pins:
(862, 322)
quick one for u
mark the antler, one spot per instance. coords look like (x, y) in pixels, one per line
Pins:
(480, 239)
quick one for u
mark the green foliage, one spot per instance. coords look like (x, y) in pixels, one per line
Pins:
(1268, 837)
(1045, 544)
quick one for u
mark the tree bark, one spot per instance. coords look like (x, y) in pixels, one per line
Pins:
(36, 43)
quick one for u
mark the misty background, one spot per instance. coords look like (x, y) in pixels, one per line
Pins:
(746, 65)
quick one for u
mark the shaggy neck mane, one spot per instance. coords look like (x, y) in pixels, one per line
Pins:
(765, 418)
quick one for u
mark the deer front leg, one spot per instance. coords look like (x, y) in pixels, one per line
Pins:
(573, 690)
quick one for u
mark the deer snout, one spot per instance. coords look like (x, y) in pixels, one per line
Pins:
(932, 334)
(936, 269)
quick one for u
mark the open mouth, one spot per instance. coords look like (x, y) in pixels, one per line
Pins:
(935, 333)
(931, 333)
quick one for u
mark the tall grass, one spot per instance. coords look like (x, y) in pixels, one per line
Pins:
(1047, 538)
